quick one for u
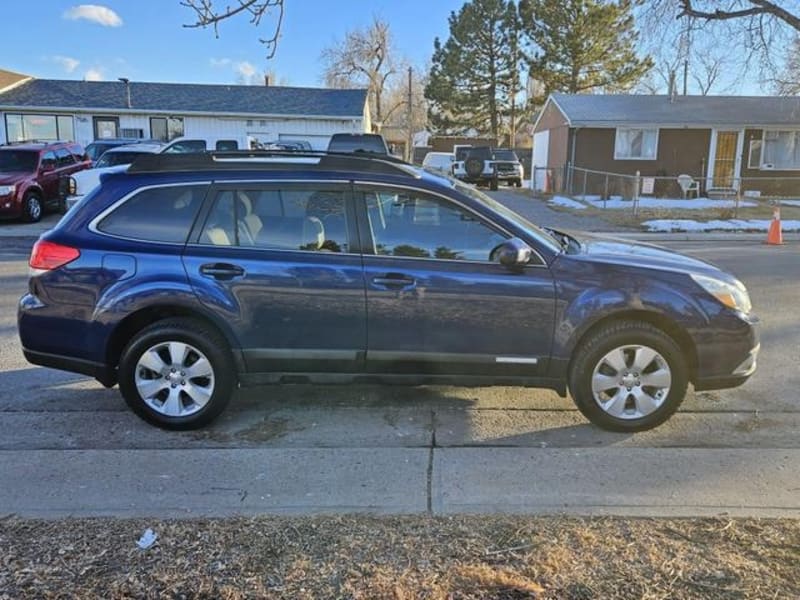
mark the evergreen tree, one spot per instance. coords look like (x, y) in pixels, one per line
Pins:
(475, 72)
(582, 46)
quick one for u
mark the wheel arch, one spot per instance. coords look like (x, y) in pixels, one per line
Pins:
(658, 320)
(128, 327)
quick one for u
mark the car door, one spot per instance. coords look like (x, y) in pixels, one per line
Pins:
(279, 262)
(436, 302)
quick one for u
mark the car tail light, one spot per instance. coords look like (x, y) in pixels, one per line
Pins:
(47, 256)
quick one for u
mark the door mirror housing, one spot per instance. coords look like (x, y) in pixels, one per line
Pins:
(48, 166)
(512, 253)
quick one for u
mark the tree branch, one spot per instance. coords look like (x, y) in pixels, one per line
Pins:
(207, 16)
(760, 7)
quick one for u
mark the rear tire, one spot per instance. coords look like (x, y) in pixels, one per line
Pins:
(177, 374)
(628, 376)
(32, 207)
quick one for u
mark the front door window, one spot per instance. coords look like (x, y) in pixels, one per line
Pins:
(105, 127)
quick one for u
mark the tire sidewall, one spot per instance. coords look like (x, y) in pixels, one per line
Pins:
(28, 203)
(589, 355)
(208, 342)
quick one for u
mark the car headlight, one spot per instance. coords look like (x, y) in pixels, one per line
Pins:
(733, 296)
(72, 186)
(7, 189)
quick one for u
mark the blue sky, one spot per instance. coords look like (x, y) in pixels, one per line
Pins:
(146, 42)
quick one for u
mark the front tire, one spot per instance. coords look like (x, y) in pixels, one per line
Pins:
(628, 376)
(177, 374)
(32, 207)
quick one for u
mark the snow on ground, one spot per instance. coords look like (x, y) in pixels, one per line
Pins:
(727, 225)
(791, 202)
(616, 202)
(566, 202)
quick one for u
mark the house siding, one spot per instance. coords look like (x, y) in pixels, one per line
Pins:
(317, 131)
(785, 184)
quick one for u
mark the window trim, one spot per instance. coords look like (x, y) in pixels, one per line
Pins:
(750, 148)
(616, 134)
(368, 243)
(22, 116)
(763, 145)
(107, 211)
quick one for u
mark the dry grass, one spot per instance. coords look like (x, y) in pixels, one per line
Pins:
(401, 558)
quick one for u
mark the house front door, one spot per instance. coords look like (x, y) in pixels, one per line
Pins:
(725, 168)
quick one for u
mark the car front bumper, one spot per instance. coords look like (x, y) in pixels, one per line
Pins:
(731, 358)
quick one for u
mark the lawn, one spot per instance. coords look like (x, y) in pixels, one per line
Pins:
(364, 557)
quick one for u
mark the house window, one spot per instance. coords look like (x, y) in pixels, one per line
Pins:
(781, 150)
(22, 127)
(636, 144)
(754, 156)
(166, 129)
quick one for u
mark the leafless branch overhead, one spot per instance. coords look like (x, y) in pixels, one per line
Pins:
(208, 16)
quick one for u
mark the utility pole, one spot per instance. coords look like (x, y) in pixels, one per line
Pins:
(410, 137)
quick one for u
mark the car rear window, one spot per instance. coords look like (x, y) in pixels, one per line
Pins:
(357, 143)
(505, 155)
(162, 214)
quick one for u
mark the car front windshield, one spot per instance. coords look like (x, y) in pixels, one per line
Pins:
(112, 159)
(534, 231)
(18, 160)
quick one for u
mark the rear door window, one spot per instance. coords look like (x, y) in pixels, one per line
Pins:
(285, 218)
(162, 214)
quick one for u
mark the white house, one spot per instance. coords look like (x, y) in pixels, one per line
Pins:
(82, 111)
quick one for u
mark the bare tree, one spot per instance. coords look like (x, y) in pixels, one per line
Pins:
(208, 16)
(787, 82)
(365, 57)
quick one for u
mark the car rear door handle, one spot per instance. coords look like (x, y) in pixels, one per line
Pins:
(394, 281)
(221, 271)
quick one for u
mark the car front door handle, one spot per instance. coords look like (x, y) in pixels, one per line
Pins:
(394, 281)
(222, 271)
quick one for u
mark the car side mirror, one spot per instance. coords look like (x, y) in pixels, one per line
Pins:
(512, 253)
(47, 167)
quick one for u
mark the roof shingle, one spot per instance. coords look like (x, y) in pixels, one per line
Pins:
(187, 98)
(597, 110)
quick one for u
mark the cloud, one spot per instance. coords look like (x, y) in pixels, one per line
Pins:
(69, 64)
(245, 70)
(93, 75)
(220, 62)
(102, 15)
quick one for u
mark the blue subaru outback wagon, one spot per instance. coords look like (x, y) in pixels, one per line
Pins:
(189, 275)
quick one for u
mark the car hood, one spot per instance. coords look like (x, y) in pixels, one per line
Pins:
(608, 249)
(11, 177)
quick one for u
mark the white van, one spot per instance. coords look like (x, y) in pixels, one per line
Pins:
(439, 161)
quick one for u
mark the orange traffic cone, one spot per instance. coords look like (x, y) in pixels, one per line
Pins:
(774, 235)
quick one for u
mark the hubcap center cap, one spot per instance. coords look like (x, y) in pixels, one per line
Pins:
(629, 380)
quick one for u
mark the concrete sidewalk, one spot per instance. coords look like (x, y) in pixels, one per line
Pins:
(225, 482)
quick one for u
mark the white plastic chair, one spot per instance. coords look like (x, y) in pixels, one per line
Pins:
(688, 184)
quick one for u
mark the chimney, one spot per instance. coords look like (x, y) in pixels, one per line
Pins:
(266, 79)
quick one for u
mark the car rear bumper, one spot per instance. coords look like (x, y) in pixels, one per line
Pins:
(74, 365)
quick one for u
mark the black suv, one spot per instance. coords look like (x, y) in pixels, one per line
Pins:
(190, 274)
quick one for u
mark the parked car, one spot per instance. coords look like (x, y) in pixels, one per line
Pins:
(486, 166)
(30, 176)
(289, 145)
(186, 276)
(115, 159)
(439, 161)
(96, 148)
(358, 142)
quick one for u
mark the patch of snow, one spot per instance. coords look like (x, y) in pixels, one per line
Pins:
(718, 225)
(791, 202)
(685, 204)
(566, 202)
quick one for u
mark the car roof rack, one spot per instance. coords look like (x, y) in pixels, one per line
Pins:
(272, 160)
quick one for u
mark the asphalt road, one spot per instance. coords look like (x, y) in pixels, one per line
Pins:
(70, 447)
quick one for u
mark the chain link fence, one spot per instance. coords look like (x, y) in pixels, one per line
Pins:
(607, 190)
